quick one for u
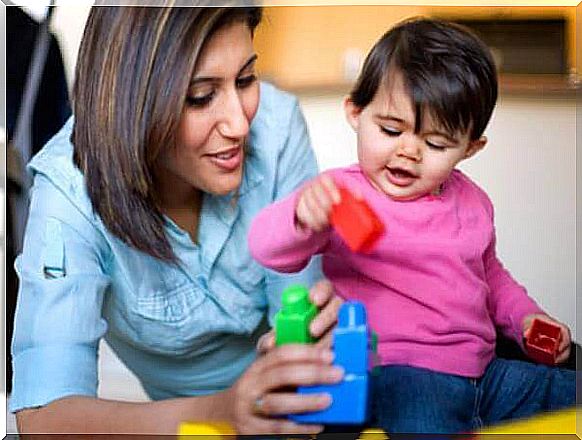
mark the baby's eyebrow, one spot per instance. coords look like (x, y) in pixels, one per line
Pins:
(389, 117)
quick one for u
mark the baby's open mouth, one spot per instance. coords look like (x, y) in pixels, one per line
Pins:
(401, 173)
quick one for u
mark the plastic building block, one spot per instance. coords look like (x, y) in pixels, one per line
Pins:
(292, 321)
(543, 341)
(373, 434)
(206, 431)
(356, 222)
(349, 397)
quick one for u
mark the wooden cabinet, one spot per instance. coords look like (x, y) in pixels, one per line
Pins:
(321, 47)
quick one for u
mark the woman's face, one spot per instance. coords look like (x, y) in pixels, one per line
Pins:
(221, 103)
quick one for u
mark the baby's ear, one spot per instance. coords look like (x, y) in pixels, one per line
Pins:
(353, 113)
(475, 146)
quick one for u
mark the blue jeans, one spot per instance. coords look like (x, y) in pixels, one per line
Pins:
(415, 400)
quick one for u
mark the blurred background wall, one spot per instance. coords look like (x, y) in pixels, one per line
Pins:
(528, 167)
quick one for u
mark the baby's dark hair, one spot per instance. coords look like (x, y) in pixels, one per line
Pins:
(446, 68)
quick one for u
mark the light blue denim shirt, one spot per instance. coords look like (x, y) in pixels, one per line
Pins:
(187, 330)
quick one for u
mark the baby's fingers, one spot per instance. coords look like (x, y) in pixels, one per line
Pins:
(330, 188)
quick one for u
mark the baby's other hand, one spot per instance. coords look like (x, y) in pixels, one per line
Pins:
(315, 203)
(564, 347)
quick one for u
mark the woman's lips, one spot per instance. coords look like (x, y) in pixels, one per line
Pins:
(228, 160)
(400, 177)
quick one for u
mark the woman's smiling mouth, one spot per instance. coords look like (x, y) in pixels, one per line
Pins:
(228, 160)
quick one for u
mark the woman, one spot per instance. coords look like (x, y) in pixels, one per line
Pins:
(138, 234)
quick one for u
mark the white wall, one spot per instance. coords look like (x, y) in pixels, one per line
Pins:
(529, 171)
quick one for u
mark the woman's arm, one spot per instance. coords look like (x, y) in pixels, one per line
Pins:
(283, 367)
(80, 414)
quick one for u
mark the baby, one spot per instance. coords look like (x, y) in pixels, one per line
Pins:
(434, 289)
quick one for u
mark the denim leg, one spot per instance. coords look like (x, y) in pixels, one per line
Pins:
(513, 389)
(416, 400)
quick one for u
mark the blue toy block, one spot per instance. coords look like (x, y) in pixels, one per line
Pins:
(349, 397)
(349, 402)
(350, 338)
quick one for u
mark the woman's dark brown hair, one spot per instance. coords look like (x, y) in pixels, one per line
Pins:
(132, 77)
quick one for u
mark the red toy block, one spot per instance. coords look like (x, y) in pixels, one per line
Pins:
(543, 341)
(356, 222)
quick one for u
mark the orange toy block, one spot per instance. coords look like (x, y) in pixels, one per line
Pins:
(356, 222)
(543, 341)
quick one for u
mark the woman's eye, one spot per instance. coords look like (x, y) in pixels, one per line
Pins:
(390, 131)
(246, 81)
(434, 146)
(200, 100)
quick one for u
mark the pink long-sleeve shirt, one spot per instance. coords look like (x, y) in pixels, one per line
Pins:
(433, 286)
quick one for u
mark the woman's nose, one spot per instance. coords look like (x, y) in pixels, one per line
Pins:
(233, 122)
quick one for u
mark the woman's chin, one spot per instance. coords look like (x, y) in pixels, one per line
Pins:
(224, 187)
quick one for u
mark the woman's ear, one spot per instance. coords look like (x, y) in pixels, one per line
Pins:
(353, 113)
(475, 146)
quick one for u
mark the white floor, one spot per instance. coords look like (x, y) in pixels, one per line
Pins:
(115, 382)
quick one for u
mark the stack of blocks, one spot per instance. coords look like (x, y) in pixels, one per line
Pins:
(350, 345)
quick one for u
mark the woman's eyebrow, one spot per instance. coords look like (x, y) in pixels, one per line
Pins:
(250, 61)
(203, 79)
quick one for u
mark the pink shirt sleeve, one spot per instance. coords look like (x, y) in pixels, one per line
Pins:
(276, 242)
(509, 302)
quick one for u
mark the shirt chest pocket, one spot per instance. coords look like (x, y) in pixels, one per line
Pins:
(168, 321)
(171, 306)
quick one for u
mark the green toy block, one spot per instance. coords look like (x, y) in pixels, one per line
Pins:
(292, 321)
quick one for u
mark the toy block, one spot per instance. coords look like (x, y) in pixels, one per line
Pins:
(349, 402)
(350, 338)
(373, 434)
(543, 341)
(205, 431)
(356, 222)
(292, 321)
(349, 397)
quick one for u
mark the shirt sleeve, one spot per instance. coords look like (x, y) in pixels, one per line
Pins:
(509, 302)
(58, 322)
(296, 165)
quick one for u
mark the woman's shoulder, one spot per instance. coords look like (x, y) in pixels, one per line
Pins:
(276, 114)
(53, 166)
(276, 102)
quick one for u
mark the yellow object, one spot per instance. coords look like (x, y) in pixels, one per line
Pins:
(206, 431)
(373, 434)
(557, 422)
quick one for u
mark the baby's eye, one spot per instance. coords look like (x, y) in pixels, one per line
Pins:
(435, 146)
(390, 131)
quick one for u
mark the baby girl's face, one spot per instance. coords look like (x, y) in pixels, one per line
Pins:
(399, 162)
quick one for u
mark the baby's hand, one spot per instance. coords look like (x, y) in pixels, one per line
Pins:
(315, 204)
(564, 347)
